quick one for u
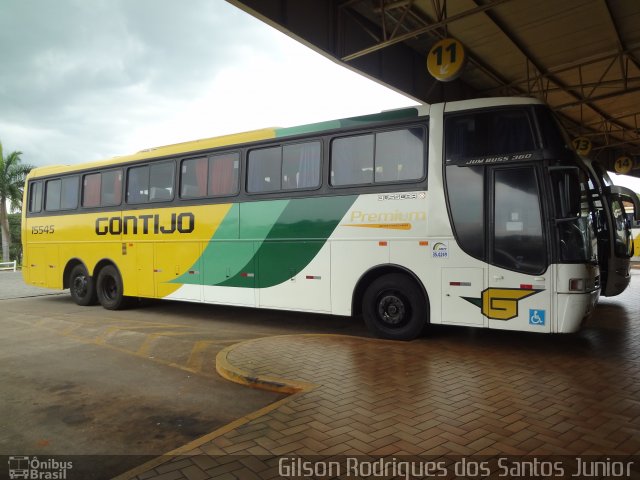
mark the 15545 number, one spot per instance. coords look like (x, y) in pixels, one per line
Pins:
(42, 229)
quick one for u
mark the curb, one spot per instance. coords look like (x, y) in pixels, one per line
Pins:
(243, 377)
(237, 375)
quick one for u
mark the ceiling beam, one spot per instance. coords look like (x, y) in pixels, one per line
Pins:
(423, 30)
(619, 41)
(528, 55)
(589, 100)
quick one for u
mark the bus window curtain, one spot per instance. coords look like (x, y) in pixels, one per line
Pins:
(91, 190)
(201, 179)
(117, 188)
(309, 166)
(255, 178)
(222, 178)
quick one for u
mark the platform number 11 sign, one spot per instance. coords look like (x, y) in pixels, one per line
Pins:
(446, 60)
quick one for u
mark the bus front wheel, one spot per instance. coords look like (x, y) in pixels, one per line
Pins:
(82, 286)
(394, 307)
(110, 289)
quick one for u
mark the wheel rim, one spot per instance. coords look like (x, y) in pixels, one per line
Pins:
(109, 288)
(80, 285)
(393, 309)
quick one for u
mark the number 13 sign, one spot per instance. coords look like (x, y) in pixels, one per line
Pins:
(446, 60)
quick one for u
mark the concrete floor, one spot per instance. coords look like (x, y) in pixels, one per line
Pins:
(142, 382)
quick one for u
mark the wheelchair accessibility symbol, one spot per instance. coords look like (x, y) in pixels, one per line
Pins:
(536, 317)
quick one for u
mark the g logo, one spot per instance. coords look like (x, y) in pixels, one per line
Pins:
(501, 303)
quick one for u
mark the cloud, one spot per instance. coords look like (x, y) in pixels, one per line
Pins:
(84, 80)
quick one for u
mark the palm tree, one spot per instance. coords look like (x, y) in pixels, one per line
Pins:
(12, 176)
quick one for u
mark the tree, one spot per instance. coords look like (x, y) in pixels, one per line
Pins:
(12, 176)
(15, 222)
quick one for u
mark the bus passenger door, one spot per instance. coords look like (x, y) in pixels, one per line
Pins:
(520, 290)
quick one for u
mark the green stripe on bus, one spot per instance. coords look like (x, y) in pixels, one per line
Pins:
(295, 239)
(399, 114)
(277, 240)
(233, 244)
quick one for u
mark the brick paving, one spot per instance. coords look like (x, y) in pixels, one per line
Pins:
(455, 392)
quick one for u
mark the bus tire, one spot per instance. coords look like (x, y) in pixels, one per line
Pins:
(111, 289)
(394, 307)
(82, 287)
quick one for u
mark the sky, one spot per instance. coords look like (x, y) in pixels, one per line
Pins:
(86, 80)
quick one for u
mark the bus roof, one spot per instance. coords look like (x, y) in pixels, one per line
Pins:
(232, 139)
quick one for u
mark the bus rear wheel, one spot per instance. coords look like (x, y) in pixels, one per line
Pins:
(110, 289)
(82, 286)
(394, 307)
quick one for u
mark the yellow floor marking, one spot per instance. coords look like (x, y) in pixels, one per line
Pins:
(197, 356)
(145, 349)
(167, 363)
(71, 328)
(110, 332)
(185, 449)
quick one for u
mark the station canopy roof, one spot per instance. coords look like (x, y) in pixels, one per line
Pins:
(580, 56)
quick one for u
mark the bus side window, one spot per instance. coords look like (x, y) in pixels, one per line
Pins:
(224, 173)
(111, 188)
(35, 197)
(138, 184)
(399, 155)
(465, 192)
(216, 175)
(352, 160)
(69, 194)
(52, 195)
(150, 183)
(264, 170)
(301, 165)
(193, 178)
(91, 185)
(161, 181)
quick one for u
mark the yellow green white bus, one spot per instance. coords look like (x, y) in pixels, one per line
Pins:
(473, 213)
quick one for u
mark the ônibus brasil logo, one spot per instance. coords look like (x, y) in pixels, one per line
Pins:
(31, 468)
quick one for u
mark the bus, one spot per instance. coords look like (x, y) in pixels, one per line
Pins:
(473, 213)
(616, 210)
